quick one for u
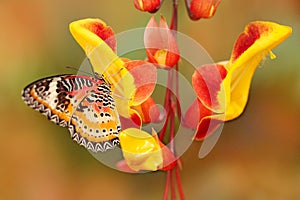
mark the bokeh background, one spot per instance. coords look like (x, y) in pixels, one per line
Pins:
(257, 156)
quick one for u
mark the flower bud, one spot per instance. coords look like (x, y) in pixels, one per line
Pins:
(198, 9)
(147, 5)
(160, 43)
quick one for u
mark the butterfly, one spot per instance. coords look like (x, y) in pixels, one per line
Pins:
(83, 104)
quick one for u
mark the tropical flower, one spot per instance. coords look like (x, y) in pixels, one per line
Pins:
(143, 151)
(147, 5)
(160, 44)
(128, 88)
(222, 89)
(198, 9)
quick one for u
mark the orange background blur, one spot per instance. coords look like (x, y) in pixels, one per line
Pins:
(256, 157)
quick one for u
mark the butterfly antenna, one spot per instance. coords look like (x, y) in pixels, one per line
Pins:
(112, 75)
(78, 70)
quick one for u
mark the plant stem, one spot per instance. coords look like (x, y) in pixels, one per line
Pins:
(172, 107)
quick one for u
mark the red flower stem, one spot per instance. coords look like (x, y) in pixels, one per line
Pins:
(168, 92)
(164, 128)
(174, 27)
(173, 189)
(167, 104)
(171, 137)
(178, 108)
(172, 131)
(179, 186)
(167, 97)
(172, 107)
(166, 193)
(174, 15)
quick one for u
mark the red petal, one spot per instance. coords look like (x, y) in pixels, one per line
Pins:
(149, 111)
(200, 118)
(246, 39)
(207, 81)
(192, 116)
(195, 113)
(151, 45)
(134, 121)
(123, 166)
(206, 127)
(103, 31)
(144, 75)
(169, 159)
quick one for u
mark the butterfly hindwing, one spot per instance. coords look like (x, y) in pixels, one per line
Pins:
(95, 123)
(77, 102)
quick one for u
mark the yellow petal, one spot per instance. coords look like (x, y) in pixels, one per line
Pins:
(257, 41)
(141, 150)
(105, 61)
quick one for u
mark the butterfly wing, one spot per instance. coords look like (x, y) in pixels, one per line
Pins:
(51, 97)
(95, 123)
(65, 97)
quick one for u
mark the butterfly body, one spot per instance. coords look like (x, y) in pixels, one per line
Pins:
(83, 104)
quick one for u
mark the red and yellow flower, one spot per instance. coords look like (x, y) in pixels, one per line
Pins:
(222, 89)
(160, 44)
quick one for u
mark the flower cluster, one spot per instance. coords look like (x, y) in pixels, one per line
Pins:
(222, 88)
(123, 96)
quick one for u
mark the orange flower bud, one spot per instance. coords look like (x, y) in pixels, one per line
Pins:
(160, 43)
(147, 5)
(198, 9)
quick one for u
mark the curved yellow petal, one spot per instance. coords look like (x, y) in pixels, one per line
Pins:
(91, 33)
(104, 60)
(141, 150)
(252, 46)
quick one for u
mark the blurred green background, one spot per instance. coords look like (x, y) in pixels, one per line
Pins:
(257, 156)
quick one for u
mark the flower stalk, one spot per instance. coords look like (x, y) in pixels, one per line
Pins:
(172, 107)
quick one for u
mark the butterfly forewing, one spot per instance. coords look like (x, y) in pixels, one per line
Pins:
(81, 103)
(50, 97)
